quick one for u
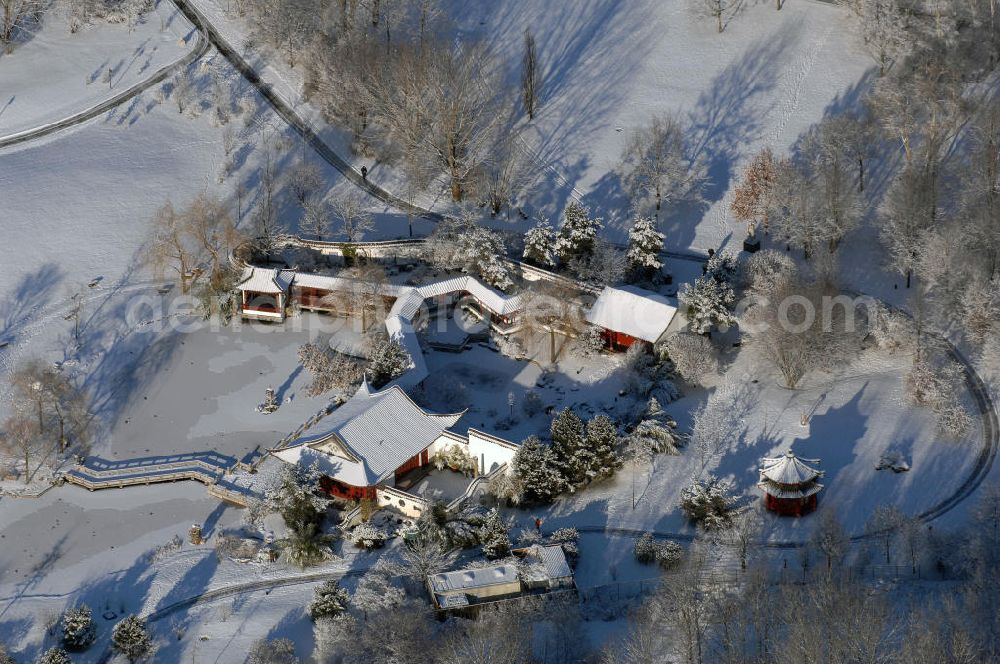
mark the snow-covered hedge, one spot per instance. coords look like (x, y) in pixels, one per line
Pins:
(368, 536)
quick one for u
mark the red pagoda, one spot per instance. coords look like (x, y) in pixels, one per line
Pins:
(789, 484)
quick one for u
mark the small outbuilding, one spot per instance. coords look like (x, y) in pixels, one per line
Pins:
(790, 484)
(545, 567)
(264, 293)
(627, 314)
(452, 590)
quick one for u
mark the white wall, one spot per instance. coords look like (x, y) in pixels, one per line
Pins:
(488, 451)
(411, 506)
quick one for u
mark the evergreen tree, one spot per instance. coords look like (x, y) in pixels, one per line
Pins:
(645, 549)
(494, 535)
(329, 599)
(536, 466)
(55, 656)
(577, 234)
(539, 244)
(130, 639)
(568, 443)
(709, 502)
(723, 267)
(5, 657)
(644, 246)
(602, 446)
(709, 303)
(387, 360)
(653, 435)
(78, 629)
(294, 497)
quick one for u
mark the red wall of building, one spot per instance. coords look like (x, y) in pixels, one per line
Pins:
(790, 506)
(618, 340)
(346, 491)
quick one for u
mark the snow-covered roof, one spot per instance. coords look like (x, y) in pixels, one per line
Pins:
(789, 470)
(634, 311)
(344, 284)
(782, 492)
(371, 435)
(495, 301)
(469, 579)
(550, 560)
(265, 280)
(401, 330)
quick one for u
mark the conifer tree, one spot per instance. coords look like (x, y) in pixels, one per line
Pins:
(55, 656)
(539, 244)
(536, 466)
(328, 600)
(494, 536)
(644, 246)
(602, 446)
(577, 234)
(78, 629)
(568, 443)
(131, 639)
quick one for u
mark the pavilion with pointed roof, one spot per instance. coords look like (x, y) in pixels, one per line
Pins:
(790, 484)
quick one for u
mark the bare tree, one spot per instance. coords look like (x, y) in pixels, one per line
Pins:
(316, 217)
(23, 439)
(530, 75)
(195, 241)
(692, 355)
(752, 197)
(355, 218)
(805, 326)
(553, 308)
(830, 538)
(883, 27)
(885, 524)
(305, 180)
(657, 164)
(441, 107)
(171, 247)
(18, 18)
(907, 215)
(365, 297)
(743, 532)
(499, 635)
(503, 174)
(721, 10)
(214, 233)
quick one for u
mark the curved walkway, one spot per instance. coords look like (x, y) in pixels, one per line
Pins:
(294, 120)
(200, 49)
(980, 470)
(230, 591)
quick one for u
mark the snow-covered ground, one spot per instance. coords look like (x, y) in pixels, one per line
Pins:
(855, 415)
(58, 73)
(77, 205)
(609, 66)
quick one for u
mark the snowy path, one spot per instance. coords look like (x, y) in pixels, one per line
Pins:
(89, 114)
(294, 119)
(207, 597)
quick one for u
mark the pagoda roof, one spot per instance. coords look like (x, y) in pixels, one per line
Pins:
(371, 435)
(778, 491)
(789, 470)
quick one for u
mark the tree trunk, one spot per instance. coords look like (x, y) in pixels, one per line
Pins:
(861, 174)
(718, 18)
